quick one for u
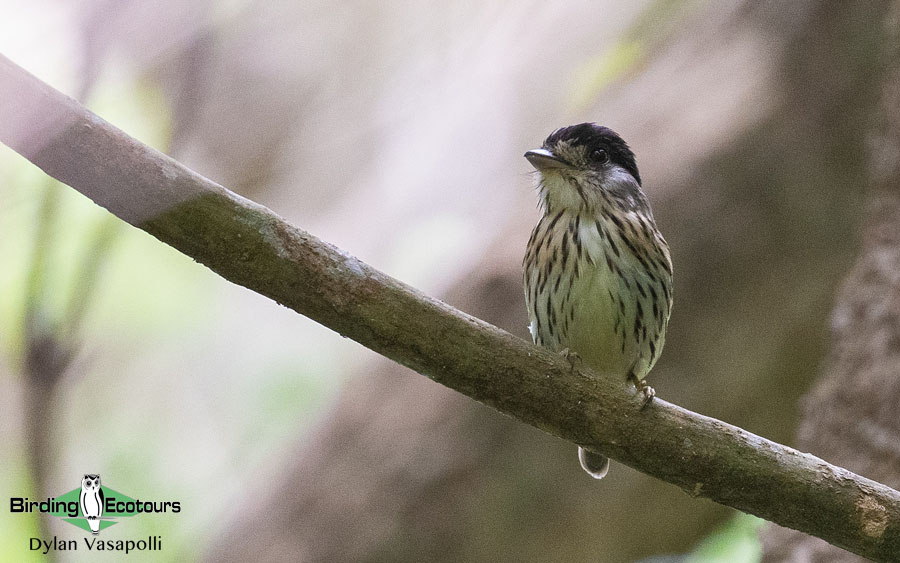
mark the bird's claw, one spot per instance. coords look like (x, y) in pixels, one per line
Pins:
(570, 357)
(647, 393)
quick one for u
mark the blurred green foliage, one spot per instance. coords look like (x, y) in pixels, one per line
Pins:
(736, 541)
(655, 23)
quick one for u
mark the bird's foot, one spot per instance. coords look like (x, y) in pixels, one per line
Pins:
(570, 357)
(644, 389)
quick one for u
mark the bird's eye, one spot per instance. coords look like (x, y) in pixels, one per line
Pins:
(600, 156)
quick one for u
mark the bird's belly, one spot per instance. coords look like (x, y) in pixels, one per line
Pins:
(596, 331)
(592, 323)
(595, 297)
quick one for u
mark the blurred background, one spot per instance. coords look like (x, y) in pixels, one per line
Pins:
(395, 131)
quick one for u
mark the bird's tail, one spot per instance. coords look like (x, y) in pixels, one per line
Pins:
(596, 465)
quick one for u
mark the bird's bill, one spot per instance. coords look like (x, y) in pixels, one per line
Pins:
(542, 159)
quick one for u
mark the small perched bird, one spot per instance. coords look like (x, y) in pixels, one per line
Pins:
(598, 276)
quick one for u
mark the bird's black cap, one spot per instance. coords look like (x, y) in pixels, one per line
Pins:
(593, 137)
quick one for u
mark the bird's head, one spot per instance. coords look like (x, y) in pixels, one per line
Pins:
(584, 166)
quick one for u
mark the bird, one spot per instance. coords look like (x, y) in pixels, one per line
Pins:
(92, 501)
(597, 271)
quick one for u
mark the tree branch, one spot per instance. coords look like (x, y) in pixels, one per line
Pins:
(251, 246)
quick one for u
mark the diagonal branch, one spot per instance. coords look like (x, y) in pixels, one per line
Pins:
(251, 246)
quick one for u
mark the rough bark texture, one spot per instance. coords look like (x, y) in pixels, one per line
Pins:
(851, 415)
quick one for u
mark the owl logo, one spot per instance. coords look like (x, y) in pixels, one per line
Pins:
(92, 501)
